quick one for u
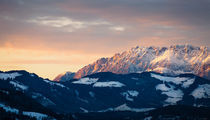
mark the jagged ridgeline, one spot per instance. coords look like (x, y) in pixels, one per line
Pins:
(173, 60)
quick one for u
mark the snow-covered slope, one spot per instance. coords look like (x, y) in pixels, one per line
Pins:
(104, 91)
(171, 60)
(26, 95)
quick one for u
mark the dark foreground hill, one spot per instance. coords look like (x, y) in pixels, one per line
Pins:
(102, 95)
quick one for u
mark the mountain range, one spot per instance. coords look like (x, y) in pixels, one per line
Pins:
(173, 60)
(24, 93)
(145, 83)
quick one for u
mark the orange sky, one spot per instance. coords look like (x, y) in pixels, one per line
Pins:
(51, 37)
(47, 64)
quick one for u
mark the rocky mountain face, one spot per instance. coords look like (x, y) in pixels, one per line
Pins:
(173, 60)
(64, 77)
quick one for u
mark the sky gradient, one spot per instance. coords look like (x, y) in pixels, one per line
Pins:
(49, 37)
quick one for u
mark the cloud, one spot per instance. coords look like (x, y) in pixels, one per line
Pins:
(57, 22)
(71, 25)
(117, 28)
(190, 12)
(68, 24)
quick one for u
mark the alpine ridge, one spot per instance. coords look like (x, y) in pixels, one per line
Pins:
(173, 60)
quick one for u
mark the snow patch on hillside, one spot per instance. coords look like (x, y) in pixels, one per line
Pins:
(127, 96)
(12, 76)
(130, 94)
(106, 110)
(202, 91)
(18, 85)
(38, 116)
(42, 99)
(84, 110)
(86, 81)
(174, 95)
(83, 100)
(9, 109)
(124, 107)
(133, 93)
(54, 83)
(162, 87)
(108, 84)
(185, 81)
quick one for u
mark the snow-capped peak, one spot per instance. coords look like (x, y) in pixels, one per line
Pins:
(64, 76)
(174, 59)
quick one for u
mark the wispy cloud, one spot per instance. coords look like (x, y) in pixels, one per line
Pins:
(118, 28)
(71, 25)
(57, 22)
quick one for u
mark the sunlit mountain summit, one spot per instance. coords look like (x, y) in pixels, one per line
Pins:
(172, 60)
